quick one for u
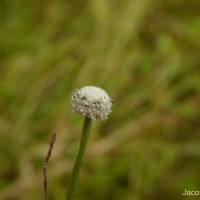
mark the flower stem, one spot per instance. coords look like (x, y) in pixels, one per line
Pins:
(77, 166)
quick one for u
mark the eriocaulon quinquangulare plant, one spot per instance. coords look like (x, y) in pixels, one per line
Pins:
(93, 103)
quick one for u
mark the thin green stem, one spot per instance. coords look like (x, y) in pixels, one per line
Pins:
(77, 166)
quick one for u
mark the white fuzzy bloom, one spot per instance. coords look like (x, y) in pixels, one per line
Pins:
(92, 102)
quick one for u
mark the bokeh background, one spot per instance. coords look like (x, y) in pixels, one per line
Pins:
(146, 53)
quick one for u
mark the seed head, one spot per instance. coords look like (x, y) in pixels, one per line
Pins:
(92, 102)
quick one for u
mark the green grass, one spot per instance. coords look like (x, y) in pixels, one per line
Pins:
(145, 53)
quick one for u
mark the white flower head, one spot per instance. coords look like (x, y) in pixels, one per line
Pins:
(92, 102)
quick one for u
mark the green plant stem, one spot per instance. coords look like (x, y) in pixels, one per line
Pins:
(77, 166)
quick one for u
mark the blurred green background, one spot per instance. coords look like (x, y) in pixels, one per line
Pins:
(143, 52)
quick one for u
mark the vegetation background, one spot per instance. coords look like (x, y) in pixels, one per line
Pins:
(143, 52)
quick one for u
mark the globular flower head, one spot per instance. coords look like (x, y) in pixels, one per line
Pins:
(92, 102)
